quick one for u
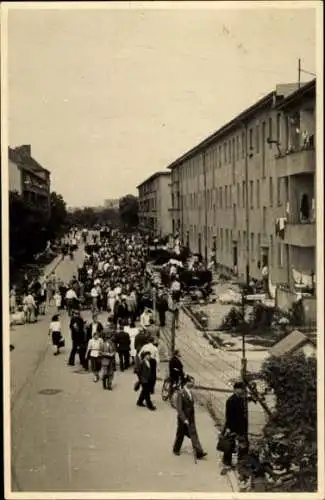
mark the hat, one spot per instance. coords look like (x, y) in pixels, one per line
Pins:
(239, 385)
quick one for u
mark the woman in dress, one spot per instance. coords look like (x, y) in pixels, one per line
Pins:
(94, 349)
(132, 330)
(111, 297)
(55, 332)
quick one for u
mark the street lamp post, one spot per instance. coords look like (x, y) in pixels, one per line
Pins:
(244, 363)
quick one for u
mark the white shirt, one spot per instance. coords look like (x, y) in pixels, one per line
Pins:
(29, 300)
(55, 326)
(94, 292)
(145, 319)
(153, 351)
(175, 286)
(97, 281)
(94, 347)
(71, 294)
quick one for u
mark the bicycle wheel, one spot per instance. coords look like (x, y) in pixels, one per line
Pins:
(165, 389)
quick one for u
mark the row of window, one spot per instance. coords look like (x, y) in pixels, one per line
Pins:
(222, 197)
(224, 243)
(234, 148)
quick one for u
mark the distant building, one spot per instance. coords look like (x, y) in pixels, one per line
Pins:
(155, 204)
(247, 192)
(112, 203)
(28, 178)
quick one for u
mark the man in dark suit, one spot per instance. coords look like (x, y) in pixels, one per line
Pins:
(145, 377)
(186, 420)
(176, 370)
(94, 327)
(236, 425)
(77, 328)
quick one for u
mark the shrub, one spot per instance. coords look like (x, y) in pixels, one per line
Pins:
(261, 316)
(233, 321)
(296, 314)
(293, 380)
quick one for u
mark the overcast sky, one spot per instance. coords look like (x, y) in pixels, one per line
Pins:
(108, 97)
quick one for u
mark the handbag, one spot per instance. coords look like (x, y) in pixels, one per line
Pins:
(61, 342)
(136, 386)
(226, 443)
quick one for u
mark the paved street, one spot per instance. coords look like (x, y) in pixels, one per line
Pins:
(81, 438)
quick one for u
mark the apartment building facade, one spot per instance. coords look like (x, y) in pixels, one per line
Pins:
(155, 203)
(28, 178)
(239, 193)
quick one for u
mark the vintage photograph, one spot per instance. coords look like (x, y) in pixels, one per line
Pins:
(162, 170)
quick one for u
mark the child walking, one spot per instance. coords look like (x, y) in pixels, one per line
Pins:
(55, 331)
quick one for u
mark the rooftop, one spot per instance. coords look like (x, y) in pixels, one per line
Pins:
(274, 98)
(154, 176)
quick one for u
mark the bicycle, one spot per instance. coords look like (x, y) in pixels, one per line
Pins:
(168, 389)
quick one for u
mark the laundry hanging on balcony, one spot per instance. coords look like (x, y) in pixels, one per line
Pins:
(301, 278)
(280, 224)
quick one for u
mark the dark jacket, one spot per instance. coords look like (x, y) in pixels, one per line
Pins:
(144, 373)
(77, 328)
(89, 329)
(176, 371)
(185, 406)
(236, 420)
(140, 340)
(122, 341)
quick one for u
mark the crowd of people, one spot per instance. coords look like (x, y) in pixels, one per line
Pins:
(113, 280)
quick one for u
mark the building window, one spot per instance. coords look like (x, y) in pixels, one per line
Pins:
(279, 194)
(258, 194)
(270, 132)
(263, 148)
(250, 138)
(220, 197)
(226, 197)
(238, 194)
(257, 138)
(244, 194)
(225, 153)
(278, 127)
(237, 147)
(243, 144)
(221, 239)
(229, 150)
(258, 247)
(227, 241)
(271, 191)
(235, 215)
(264, 220)
(220, 156)
(230, 196)
(280, 254)
(233, 150)
(252, 194)
(271, 250)
(252, 246)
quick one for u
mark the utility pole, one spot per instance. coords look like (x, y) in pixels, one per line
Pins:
(205, 211)
(244, 364)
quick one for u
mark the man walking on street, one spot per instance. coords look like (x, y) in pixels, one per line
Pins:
(144, 375)
(235, 425)
(186, 420)
(123, 345)
(77, 328)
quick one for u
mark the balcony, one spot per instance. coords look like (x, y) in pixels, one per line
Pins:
(300, 161)
(300, 234)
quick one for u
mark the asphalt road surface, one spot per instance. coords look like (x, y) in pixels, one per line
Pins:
(69, 435)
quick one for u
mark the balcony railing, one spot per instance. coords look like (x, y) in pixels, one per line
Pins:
(296, 161)
(300, 232)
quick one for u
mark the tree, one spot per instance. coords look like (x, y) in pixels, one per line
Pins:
(58, 218)
(128, 211)
(293, 379)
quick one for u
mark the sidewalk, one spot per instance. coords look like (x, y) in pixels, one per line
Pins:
(82, 438)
